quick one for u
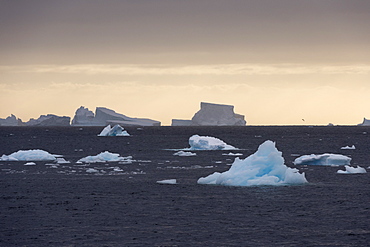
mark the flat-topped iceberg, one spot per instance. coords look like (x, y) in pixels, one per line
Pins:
(29, 155)
(105, 157)
(352, 170)
(213, 115)
(104, 116)
(323, 160)
(197, 142)
(264, 167)
(117, 130)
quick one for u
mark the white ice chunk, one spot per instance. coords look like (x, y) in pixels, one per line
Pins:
(233, 154)
(117, 130)
(323, 160)
(91, 170)
(183, 153)
(197, 142)
(62, 161)
(105, 157)
(28, 155)
(264, 167)
(167, 181)
(30, 164)
(352, 170)
(348, 147)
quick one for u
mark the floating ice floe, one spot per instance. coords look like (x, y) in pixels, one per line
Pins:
(352, 170)
(323, 160)
(167, 181)
(29, 155)
(348, 147)
(92, 170)
(117, 130)
(106, 157)
(197, 142)
(233, 154)
(264, 167)
(183, 153)
(62, 161)
(30, 164)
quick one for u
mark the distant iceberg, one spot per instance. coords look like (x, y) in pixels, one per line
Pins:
(12, 120)
(104, 116)
(352, 170)
(117, 130)
(213, 115)
(29, 155)
(365, 122)
(264, 167)
(197, 142)
(106, 157)
(49, 120)
(323, 160)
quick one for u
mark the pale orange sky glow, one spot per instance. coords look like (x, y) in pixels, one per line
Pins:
(277, 62)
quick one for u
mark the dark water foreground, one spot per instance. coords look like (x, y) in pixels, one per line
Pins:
(44, 205)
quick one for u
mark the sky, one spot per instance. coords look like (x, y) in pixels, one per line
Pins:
(276, 61)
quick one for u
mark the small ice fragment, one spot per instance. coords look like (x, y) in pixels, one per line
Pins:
(352, 170)
(92, 170)
(30, 164)
(348, 147)
(167, 181)
(183, 153)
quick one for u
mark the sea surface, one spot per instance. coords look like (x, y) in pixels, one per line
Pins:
(121, 204)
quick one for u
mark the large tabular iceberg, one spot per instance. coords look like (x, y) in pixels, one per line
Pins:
(323, 160)
(352, 170)
(106, 157)
(104, 116)
(28, 155)
(117, 130)
(264, 167)
(197, 142)
(49, 120)
(213, 115)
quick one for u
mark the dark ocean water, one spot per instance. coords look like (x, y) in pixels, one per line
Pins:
(42, 205)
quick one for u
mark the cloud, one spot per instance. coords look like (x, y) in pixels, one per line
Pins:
(165, 69)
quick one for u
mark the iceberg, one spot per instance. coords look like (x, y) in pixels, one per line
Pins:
(117, 130)
(365, 122)
(183, 153)
(167, 181)
(83, 117)
(105, 157)
(29, 155)
(352, 170)
(197, 142)
(323, 160)
(213, 115)
(348, 147)
(12, 120)
(104, 116)
(233, 154)
(264, 167)
(49, 120)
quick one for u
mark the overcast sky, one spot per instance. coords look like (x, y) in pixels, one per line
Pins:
(276, 61)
